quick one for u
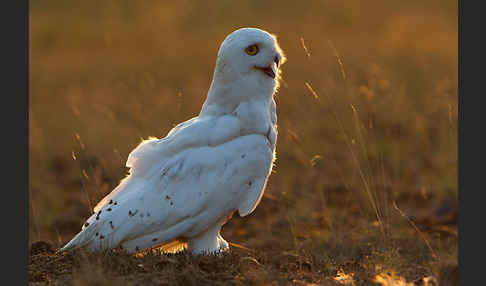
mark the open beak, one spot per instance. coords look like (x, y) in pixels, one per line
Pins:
(267, 70)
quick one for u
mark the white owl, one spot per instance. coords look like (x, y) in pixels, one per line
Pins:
(181, 189)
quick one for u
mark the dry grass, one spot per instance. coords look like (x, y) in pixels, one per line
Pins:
(366, 176)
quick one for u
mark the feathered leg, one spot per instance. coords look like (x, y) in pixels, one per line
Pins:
(209, 241)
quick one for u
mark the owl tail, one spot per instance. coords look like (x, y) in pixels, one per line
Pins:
(83, 238)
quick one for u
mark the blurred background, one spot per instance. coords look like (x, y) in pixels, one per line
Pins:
(367, 111)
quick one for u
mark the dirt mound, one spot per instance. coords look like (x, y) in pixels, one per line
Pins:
(41, 247)
(238, 267)
(114, 267)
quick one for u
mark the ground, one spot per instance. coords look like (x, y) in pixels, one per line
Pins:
(364, 189)
(359, 255)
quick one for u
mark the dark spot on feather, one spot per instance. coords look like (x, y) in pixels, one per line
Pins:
(181, 165)
(148, 214)
(111, 201)
(167, 197)
(171, 203)
(132, 214)
(249, 183)
(86, 224)
(155, 239)
(109, 209)
(111, 225)
(101, 237)
(115, 203)
(243, 156)
(96, 234)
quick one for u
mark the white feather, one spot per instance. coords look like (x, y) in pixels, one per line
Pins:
(183, 188)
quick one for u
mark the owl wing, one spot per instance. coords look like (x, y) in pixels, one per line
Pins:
(190, 191)
(150, 154)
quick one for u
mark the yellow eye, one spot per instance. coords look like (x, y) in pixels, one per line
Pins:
(252, 50)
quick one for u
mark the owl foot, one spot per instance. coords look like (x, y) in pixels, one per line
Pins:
(208, 242)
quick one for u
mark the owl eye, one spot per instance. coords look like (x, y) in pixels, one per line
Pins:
(252, 50)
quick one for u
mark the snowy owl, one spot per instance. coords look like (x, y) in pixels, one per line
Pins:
(183, 188)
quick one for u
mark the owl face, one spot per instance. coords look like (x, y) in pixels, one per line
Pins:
(251, 52)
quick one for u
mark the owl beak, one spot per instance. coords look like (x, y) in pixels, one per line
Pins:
(268, 71)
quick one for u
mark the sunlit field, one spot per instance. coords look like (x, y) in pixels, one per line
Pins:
(365, 184)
